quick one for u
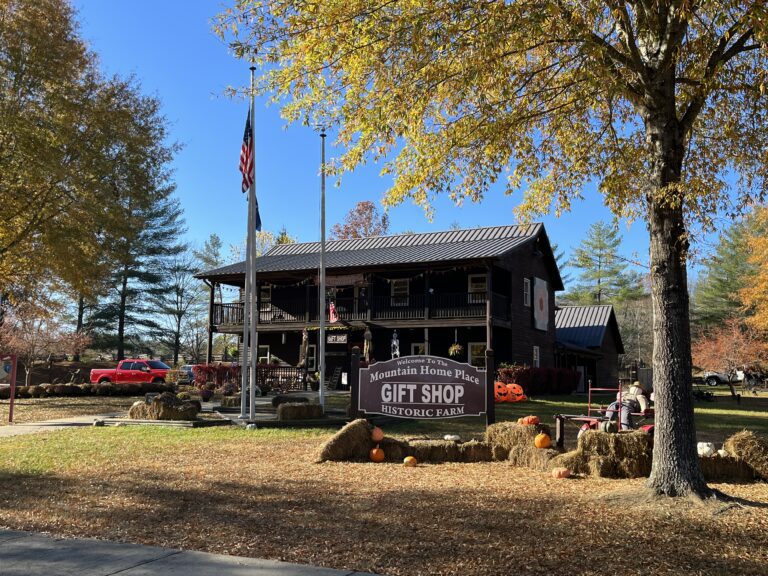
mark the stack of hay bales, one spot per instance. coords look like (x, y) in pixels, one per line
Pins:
(515, 443)
(750, 448)
(350, 444)
(299, 411)
(165, 406)
(609, 455)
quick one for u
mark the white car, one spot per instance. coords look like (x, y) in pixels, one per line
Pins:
(712, 378)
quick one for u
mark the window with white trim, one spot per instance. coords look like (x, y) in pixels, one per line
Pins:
(400, 290)
(263, 357)
(476, 354)
(536, 357)
(477, 286)
(527, 292)
(418, 349)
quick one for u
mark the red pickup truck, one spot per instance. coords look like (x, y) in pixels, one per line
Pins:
(132, 370)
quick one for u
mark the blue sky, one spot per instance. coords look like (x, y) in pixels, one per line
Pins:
(168, 45)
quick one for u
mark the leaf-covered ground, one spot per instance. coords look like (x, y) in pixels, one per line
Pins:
(26, 410)
(259, 494)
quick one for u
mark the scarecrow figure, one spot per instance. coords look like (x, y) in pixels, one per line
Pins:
(395, 345)
(368, 344)
(304, 348)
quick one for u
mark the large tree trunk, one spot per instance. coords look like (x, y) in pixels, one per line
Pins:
(675, 470)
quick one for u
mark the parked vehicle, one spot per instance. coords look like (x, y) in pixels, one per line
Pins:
(712, 378)
(187, 373)
(132, 370)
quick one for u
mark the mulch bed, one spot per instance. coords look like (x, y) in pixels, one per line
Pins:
(259, 496)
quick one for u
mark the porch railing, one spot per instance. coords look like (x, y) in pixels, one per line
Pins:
(281, 379)
(377, 307)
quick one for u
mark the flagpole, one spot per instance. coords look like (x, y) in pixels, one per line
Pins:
(321, 336)
(254, 285)
(246, 300)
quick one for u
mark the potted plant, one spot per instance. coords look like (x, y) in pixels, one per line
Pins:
(455, 349)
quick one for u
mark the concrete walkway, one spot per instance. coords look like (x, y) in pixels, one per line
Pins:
(48, 425)
(27, 554)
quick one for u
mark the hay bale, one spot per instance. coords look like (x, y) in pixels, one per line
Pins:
(167, 406)
(474, 451)
(395, 450)
(435, 451)
(726, 469)
(575, 461)
(288, 398)
(230, 402)
(299, 411)
(139, 411)
(602, 467)
(531, 457)
(751, 448)
(351, 443)
(504, 436)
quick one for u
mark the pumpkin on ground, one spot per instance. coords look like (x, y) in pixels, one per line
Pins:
(501, 392)
(561, 473)
(377, 454)
(542, 441)
(377, 434)
(530, 420)
(410, 461)
(516, 393)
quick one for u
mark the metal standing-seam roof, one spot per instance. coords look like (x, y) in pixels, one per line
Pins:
(451, 245)
(585, 326)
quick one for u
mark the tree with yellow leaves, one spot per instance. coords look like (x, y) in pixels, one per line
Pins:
(754, 294)
(656, 100)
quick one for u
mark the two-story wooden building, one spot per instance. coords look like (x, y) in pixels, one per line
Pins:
(466, 289)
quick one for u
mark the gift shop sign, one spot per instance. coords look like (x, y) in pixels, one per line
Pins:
(422, 387)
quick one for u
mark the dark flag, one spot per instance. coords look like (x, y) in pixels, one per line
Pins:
(246, 165)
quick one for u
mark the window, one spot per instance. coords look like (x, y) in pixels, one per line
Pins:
(400, 290)
(140, 366)
(263, 357)
(418, 349)
(312, 357)
(536, 358)
(265, 297)
(527, 292)
(477, 354)
(477, 286)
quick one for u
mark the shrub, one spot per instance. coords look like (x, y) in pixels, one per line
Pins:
(539, 381)
(46, 390)
(104, 389)
(5, 393)
(22, 392)
(86, 389)
(228, 389)
(218, 374)
(183, 396)
(35, 391)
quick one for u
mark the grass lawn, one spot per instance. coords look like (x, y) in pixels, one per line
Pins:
(260, 494)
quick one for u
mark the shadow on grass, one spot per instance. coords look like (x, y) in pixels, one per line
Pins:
(392, 528)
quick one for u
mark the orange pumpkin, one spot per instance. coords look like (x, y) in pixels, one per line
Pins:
(410, 461)
(530, 420)
(516, 393)
(377, 454)
(500, 392)
(561, 473)
(377, 434)
(542, 441)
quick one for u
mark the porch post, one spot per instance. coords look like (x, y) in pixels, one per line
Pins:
(354, 383)
(490, 378)
(209, 348)
(489, 307)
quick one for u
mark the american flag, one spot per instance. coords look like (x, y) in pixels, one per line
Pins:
(246, 165)
(246, 155)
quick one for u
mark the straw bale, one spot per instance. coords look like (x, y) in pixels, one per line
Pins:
(726, 469)
(351, 443)
(531, 457)
(504, 436)
(602, 467)
(167, 406)
(394, 450)
(751, 448)
(299, 411)
(230, 401)
(575, 460)
(288, 398)
(139, 411)
(435, 451)
(474, 451)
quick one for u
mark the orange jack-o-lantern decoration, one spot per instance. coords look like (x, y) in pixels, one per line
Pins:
(500, 392)
(561, 473)
(530, 420)
(542, 441)
(377, 454)
(516, 393)
(377, 434)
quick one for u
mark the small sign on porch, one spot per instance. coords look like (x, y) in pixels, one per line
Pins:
(422, 387)
(336, 339)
